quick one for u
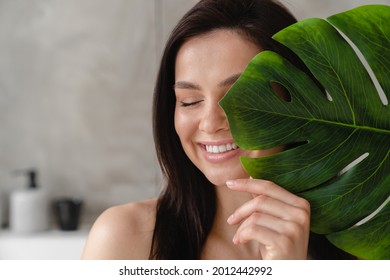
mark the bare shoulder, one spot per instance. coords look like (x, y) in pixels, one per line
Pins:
(122, 232)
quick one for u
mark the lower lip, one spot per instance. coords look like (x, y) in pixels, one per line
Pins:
(220, 157)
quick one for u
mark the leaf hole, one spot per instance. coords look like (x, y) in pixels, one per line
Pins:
(344, 170)
(281, 92)
(368, 68)
(353, 164)
(295, 145)
(328, 96)
(369, 217)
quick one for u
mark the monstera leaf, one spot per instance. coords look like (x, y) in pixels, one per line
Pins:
(337, 144)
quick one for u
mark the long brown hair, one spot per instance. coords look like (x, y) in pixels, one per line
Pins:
(186, 208)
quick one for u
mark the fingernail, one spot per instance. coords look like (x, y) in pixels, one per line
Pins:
(230, 219)
(230, 183)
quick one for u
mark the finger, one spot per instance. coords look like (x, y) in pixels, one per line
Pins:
(267, 205)
(278, 239)
(268, 188)
(272, 245)
(293, 230)
(253, 232)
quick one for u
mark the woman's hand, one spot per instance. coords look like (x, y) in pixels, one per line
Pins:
(275, 218)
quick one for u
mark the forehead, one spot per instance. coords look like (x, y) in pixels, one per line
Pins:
(219, 50)
(223, 38)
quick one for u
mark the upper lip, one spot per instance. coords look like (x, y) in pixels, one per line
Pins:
(217, 143)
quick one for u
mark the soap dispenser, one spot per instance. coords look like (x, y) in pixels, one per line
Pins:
(29, 207)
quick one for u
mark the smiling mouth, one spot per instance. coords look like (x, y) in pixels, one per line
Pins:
(217, 149)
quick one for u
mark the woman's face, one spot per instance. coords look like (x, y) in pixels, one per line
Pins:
(206, 67)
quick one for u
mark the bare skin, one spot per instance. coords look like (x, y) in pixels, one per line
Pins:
(255, 219)
(122, 232)
(125, 232)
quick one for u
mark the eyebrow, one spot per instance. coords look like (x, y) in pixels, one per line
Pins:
(188, 85)
(230, 80)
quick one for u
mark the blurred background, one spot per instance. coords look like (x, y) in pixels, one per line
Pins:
(76, 84)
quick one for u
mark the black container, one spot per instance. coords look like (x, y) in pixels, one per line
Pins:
(67, 213)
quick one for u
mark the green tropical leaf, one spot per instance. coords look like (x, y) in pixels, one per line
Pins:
(338, 145)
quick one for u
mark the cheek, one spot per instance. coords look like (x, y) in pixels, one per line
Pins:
(183, 125)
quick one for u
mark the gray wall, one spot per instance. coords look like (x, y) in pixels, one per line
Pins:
(76, 81)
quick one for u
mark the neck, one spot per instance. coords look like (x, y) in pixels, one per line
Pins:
(227, 202)
(220, 238)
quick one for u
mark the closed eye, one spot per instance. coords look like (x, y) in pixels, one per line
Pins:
(188, 104)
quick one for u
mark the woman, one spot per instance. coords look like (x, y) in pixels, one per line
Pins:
(210, 208)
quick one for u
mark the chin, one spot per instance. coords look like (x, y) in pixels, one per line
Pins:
(220, 179)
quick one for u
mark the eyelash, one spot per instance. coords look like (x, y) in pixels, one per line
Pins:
(188, 104)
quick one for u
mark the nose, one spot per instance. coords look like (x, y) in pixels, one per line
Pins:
(213, 120)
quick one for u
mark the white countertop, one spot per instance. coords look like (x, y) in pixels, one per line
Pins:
(47, 245)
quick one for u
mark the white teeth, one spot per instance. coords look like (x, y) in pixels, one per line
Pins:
(220, 148)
